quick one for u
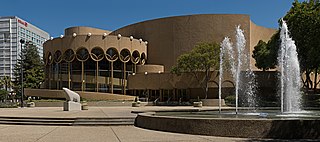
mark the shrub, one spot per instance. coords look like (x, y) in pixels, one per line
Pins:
(230, 100)
(3, 94)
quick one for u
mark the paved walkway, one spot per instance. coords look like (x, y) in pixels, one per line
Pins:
(117, 111)
(30, 133)
(15, 133)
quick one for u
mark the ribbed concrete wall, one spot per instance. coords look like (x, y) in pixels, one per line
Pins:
(170, 37)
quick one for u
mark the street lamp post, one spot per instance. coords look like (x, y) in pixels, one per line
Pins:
(22, 92)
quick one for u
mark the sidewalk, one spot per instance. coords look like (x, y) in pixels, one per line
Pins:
(32, 133)
(117, 111)
(16, 133)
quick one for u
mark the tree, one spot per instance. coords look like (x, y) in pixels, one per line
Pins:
(6, 83)
(303, 21)
(261, 54)
(203, 58)
(32, 65)
(266, 54)
(3, 94)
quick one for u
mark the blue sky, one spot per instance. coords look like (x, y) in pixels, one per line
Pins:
(54, 16)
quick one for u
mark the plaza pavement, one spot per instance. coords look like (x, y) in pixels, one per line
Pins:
(110, 111)
(36, 133)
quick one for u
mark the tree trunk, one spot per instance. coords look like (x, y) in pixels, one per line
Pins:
(315, 81)
(310, 82)
(6, 86)
(207, 79)
(200, 82)
(305, 82)
(308, 79)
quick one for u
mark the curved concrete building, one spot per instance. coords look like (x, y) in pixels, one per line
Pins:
(88, 59)
(137, 58)
(170, 37)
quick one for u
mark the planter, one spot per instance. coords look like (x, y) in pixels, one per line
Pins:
(212, 102)
(31, 104)
(84, 106)
(197, 104)
(136, 104)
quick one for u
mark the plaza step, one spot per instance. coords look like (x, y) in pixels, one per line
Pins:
(106, 121)
(110, 121)
(36, 121)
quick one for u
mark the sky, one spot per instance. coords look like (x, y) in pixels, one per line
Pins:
(54, 16)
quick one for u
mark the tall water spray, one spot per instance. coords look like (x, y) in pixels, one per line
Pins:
(243, 82)
(290, 83)
(226, 52)
(220, 74)
(241, 43)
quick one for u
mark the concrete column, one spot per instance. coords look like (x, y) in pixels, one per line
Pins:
(161, 96)
(124, 79)
(82, 76)
(69, 76)
(49, 76)
(111, 77)
(97, 74)
(58, 76)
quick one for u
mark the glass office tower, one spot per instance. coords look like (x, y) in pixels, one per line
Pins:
(12, 29)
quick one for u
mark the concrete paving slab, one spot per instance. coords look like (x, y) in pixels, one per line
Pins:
(130, 134)
(16, 133)
(80, 134)
(32, 133)
(119, 111)
(3, 127)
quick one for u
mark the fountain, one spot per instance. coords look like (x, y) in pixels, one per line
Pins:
(288, 123)
(289, 73)
(225, 52)
(248, 80)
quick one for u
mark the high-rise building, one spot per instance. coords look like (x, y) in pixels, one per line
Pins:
(12, 29)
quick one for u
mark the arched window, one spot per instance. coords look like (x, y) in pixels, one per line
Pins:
(82, 54)
(50, 59)
(112, 54)
(125, 55)
(68, 55)
(143, 58)
(135, 58)
(58, 56)
(97, 54)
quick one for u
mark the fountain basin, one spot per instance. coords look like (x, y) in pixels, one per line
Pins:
(251, 126)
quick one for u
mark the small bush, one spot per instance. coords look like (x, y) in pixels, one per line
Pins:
(3, 94)
(230, 100)
(8, 105)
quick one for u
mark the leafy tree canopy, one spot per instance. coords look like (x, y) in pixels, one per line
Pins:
(303, 20)
(6, 82)
(266, 54)
(204, 57)
(3, 94)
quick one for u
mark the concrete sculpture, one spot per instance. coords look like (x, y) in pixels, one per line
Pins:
(73, 100)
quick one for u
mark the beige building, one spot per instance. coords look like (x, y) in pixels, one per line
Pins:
(136, 59)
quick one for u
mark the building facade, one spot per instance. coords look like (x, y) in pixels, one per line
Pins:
(136, 59)
(89, 59)
(170, 37)
(12, 29)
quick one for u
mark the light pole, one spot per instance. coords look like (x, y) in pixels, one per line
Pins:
(21, 43)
